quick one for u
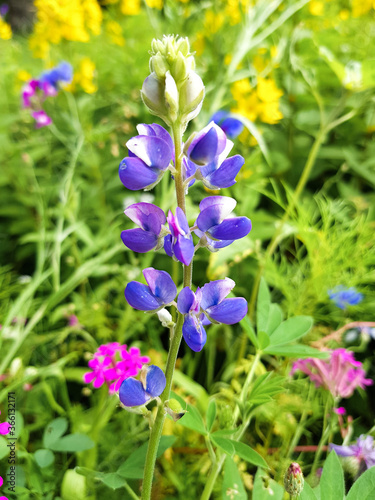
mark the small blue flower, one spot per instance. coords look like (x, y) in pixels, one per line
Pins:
(231, 125)
(159, 293)
(207, 144)
(150, 154)
(179, 243)
(208, 305)
(214, 228)
(343, 297)
(139, 392)
(61, 73)
(151, 220)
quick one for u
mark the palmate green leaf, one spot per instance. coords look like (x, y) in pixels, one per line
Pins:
(72, 443)
(274, 319)
(291, 330)
(246, 453)
(211, 415)
(364, 487)
(264, 340)
(296, 351)
(133, 466)
(266, 488)
(263, 306)
(54, 431)
(192, 419)
(264, 388)
(224, 443)
(44, 457)
(111, 479)
(249, 330)
(332, 485)
(232, 482)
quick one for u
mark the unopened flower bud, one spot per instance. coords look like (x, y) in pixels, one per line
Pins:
(191, 96)
(293, 480)
(174, 409)
(165, 317)
(152, 94)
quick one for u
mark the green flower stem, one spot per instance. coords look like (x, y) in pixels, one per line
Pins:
(325, 434)
(176, 335)
(216, 468)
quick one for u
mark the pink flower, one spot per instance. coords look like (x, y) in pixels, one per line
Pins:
(341, 374)
(340, 411)
(112, 364)
(41, 118)
(5, 428)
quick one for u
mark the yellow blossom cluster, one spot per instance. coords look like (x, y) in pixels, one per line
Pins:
(84, 77)
(114, 31)
(359, 8)
(261, 102)
(58, 20)
(5, 30)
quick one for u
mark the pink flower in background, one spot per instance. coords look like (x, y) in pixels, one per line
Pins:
(341, 374)
(41, 118)
(73, 320)
(4, 428)
(340, 411)
(112, 364)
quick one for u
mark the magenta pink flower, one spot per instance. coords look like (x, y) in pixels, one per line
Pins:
(5, 428)
(112, 364)
(341, 374)
(41, 118)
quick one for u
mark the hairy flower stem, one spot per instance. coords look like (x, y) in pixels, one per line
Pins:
(176, 336)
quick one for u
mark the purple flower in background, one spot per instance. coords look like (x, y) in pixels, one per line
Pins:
(28, 91)
(150, 154)
(138, 392)
(231, 125)
(159, 293)
(341, 374)
(343, 297)
(208, 144)
(363, 451)
(41, 118)
(112, 364)
(60, 73)
(214, 229)
(208, 305)
(4, 8)
(149, 236)
(179, 243)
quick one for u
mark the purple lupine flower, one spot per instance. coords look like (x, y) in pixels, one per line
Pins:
(4, 8)
(214, 229)
(112, 364)
(150, 154)
(208, 305)
(179, 243)
(63, 72)
(138, 392)
(231, 125)
(149, 236)
(341, 374)
(343, 297)
(208, 144)
(159, 293)
(41, 118)
(363, 451)
(221, 172)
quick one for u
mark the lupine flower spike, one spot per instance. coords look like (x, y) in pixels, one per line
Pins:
(139, 392)
(343, 297)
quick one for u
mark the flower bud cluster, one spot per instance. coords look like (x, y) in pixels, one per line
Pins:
(173, 91)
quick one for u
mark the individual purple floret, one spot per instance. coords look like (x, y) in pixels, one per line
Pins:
(41, 118)
(159, 293)
(343, 297)
(179, 243)
(150, 154)
(363, 451)
(208, 305)
(214, 229)
(138, 392)
(149, 236)
(4, 8)
(231, 125)
(28, 91)
(221, 172)
(208, 144)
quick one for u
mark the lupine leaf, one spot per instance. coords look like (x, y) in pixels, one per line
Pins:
(291, 330)
(232, 482)
(211, 415)
(332, 484)
(263, 306)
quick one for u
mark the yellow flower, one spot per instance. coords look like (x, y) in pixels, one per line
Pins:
(84, 77)
(344, 14)
(199, 44)
(5, 30)
(213, 22)
(361, 7)
(130, 7)
(114, 31)
(267, 90)
(316, 8)
(23, 75)
(155, 4)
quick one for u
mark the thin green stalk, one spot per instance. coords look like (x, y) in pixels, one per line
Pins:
(325, 434)
(216, 468)
(176, 335)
